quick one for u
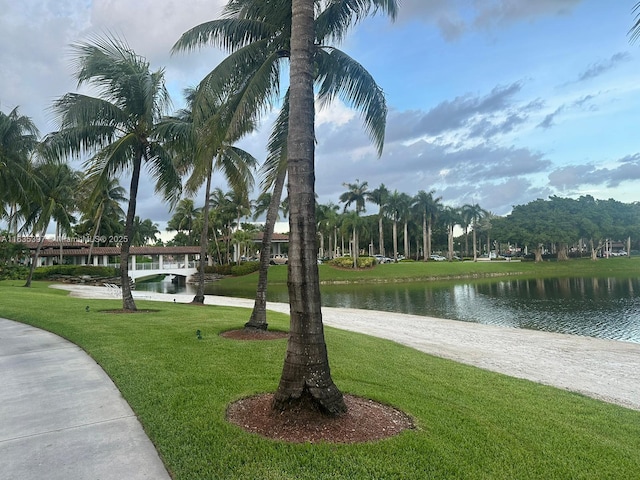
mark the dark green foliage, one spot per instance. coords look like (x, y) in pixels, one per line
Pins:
(236, 270)
(74, 271)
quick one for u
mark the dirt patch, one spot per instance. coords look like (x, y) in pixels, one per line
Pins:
(253, 334)
(365, 421)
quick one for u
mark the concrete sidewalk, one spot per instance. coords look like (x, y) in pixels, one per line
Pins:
(61, 416)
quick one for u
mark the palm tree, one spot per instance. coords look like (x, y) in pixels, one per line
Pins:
(118, 128)
(18, 140)
(144, 232)
(474, 214)
(451, 217)
(425, 204)
(356, 194)
(634, 31)
(379, 197)
(404, 212)
(100, 201)
(202, 138)
(58, 184)
(184, 216)
(394, 212)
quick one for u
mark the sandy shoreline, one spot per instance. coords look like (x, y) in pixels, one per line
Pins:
(608, 370)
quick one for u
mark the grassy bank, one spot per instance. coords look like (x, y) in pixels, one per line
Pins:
(471, 423)
(442, 271)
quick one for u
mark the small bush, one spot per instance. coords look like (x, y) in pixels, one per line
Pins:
(347, 262)
(245, 268)
(13, 272)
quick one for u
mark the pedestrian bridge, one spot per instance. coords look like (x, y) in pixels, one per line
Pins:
(144, 270)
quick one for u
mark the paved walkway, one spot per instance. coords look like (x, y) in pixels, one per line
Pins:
(61, 416)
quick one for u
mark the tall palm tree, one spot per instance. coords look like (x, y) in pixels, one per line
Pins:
(425, 203)
(450, 217)
(202, 138)
(18, 140)
(258, 34)
(404, 211)
(474, 214)
(357, 195)
(58, 184)
(394, 212)
(379, 197)
(118, 129)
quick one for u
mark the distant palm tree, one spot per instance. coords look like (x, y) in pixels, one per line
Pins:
(425, 203)
(450, 217)
(395, 205)
(18, 140)
(100, 202)
(184, 215)
(357, 195)
(379, 197)
(118, 128)
(475, 214)
(404, 211)
(144, 232)
(58, 184)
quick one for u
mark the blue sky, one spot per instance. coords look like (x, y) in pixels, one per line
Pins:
(496, 102)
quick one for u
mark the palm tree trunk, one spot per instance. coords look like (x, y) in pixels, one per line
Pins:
(204, 237)
(475, 247)
(93, 238)
(425, 253)
(258, 319)
(407, 253)
(32, 267)
(429, 234)
(395, 240)
(128, 303)
(306, 376)
(380, 235)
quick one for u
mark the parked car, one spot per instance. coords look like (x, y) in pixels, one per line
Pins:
(382, 259)
(437, 258)
(278, 259)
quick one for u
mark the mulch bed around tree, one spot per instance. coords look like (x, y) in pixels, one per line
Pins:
(253, 334)
(365, 421)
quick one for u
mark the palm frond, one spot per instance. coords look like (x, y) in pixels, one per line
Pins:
(340, 75)
(333, 23)
(634, 31)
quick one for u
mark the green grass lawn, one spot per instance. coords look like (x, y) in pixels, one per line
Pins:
(471, 424)
(447, 271)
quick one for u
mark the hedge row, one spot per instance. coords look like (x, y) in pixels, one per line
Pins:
(42, 273)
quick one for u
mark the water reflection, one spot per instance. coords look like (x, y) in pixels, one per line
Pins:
(598, 307)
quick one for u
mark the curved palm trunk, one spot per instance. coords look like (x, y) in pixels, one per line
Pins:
(93, 238)
(127, 298)
(306, 376)
(204, 242)
(258, 319)
(32, 267)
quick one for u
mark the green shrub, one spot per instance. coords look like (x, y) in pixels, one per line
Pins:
(245, 268)
(13, 272)
(347, 262)
(42, 273)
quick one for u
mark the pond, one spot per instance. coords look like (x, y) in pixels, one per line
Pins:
(596, 307)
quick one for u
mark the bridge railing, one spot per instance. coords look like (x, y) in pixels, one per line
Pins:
(165, 265)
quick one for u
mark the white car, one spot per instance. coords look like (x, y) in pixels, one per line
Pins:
(437, 258)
